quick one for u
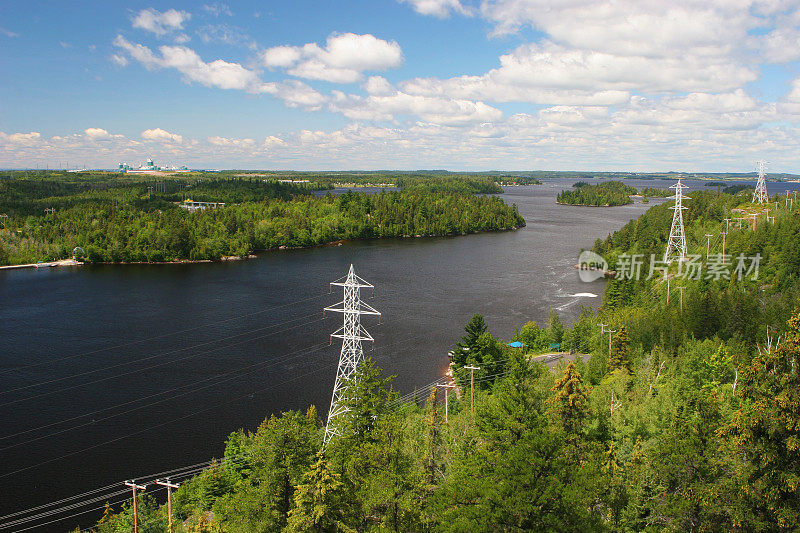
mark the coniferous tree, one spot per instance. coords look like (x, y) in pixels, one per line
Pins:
(318, 501)
(618, 358)
(469, 342)
(569, 405)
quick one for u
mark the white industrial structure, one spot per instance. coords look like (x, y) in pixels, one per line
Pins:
(351, 333)
(676, 245)
(149, 167)
(760, 194)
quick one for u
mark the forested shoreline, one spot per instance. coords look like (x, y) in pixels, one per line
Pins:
(111, 220)
(606, 194)
(684, 417)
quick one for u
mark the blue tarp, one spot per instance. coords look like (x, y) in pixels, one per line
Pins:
(515, 344)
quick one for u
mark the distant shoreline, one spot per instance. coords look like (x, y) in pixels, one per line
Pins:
(338, 242)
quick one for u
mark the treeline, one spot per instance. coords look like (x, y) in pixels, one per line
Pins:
(659, 427)
(126, 233)
(20, 198)
(608, 193)
(653, 192)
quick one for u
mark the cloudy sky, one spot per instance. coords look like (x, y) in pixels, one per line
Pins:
(691, 85)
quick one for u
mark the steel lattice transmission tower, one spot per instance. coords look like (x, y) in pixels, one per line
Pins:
(760, 194)
(351, 333)
(676, 245)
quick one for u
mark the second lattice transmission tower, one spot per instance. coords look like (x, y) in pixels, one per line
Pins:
(352, 334)
(760, 194)
(676, 245)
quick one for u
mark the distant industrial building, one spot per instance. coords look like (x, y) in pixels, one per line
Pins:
(149, 167)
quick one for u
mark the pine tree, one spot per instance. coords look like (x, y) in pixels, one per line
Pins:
(311, 414)
(569, 406)
(474, 329)
(318, 501)
(618, 358)
(365, 398)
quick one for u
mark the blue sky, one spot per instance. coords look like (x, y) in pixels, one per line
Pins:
(501, 84)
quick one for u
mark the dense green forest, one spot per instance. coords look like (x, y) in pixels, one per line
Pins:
(123, 219)
(607, 193)
(684, 418)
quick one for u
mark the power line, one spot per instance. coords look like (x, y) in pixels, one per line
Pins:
(280, 360)
(124, 345)
(184, 471)
(194, 413)
(175, 473)
(106, 378)
(146, 358)
(260, 391)
(216, 382)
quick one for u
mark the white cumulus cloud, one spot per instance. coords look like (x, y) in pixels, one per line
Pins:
(438, 8)
(96, 133)
(157, 134)
(160, 23)
(218, 73)
(343, 59)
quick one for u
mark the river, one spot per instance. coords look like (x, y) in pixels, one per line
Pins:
(170, 359)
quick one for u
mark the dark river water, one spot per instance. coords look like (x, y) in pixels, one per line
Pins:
(119, 371)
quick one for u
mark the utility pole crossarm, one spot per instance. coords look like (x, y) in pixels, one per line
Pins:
(354, 281)
(366, 309)
(362, 334)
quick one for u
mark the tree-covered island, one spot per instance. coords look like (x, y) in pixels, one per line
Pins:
(120, 218)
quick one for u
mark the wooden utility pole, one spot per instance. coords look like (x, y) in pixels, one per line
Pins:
(723, 242)
(472, 370)
(170, 486)
(708, 243)
(446, 401)
(132, 484)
